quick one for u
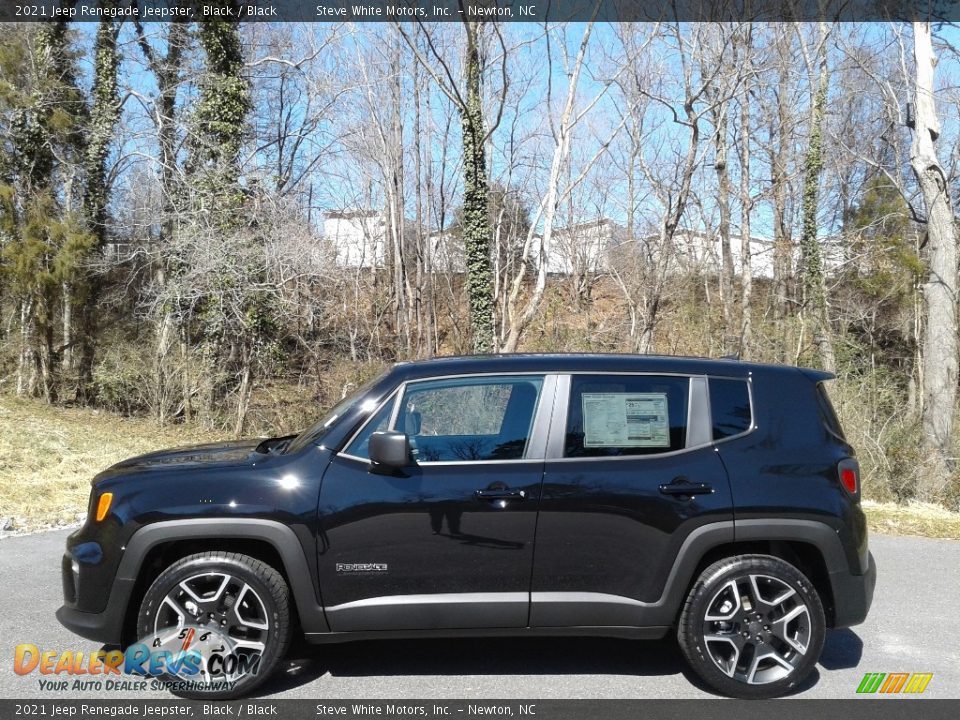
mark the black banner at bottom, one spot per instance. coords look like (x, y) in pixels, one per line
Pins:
(853, 709)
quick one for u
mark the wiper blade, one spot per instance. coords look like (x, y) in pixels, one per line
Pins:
(274, 446)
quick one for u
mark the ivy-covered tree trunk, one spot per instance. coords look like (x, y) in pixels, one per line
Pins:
(219, 118)
(814, 281)
(476, 219)
(103, 117)
(234, 317)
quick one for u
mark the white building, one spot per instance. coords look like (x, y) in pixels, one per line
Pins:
(584, 247)
(358, 237)
(695, 251)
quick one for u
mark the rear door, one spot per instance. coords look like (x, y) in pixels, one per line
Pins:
(630, 472)
(448, 542)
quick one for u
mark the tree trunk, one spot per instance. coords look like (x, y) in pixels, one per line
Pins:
(166, 71)
(939, 291)
(714, 55)
(476, 218)
(782, 240)
(244, 392)
(25, 361)
(104, 114)
(723, 203)
(746, 199)
(161, 376)
(814, 282)
(66, 290)
(519, 320)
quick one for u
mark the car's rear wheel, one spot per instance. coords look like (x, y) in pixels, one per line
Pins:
(226, 614)
(752, 627)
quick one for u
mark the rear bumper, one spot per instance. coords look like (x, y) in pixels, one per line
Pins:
(853, 595)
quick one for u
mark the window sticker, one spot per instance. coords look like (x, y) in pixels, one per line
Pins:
(625, 420)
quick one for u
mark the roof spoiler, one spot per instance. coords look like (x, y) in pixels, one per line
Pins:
(817, 375)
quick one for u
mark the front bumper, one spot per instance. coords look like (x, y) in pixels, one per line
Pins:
(105, 626)
(853, 595)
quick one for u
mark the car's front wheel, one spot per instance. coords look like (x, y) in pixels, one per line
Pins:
(753, 626)
(222, 618)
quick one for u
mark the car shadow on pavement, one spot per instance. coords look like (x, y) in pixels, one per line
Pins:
(478, 656)
(842, 650)
(515, 656)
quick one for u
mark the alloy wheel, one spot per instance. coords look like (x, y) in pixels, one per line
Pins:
(223, 615)
(756, 629)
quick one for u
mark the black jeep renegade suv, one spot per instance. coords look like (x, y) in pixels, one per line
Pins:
(523, 494)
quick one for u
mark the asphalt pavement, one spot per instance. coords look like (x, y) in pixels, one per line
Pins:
(914, 626)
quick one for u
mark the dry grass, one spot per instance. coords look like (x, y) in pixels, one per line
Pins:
(921, 519)
(48, 456)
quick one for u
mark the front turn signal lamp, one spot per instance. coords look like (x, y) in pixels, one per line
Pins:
(103, 505)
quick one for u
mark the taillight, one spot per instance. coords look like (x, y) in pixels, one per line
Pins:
(849, 479)
(849, 471)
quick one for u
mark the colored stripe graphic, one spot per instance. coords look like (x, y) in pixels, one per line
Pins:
(918, 682)
(893, 683)
(870, 682)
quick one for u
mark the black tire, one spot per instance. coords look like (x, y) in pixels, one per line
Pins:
(722, 605)
(272, 610)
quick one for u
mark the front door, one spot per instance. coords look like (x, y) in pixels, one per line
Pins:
(447, 542)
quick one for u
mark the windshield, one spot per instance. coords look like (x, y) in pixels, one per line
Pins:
(320, 428)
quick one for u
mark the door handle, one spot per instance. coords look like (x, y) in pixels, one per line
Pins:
(686, 488)
(501, 495)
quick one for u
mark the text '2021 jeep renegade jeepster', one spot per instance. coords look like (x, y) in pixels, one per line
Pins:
(521, 494)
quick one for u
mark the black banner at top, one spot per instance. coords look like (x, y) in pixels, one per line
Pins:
(474, 10)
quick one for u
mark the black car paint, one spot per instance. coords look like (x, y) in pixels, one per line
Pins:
(611, 554)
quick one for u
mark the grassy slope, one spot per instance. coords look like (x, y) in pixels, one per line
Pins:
(48, 456)
(914, 519)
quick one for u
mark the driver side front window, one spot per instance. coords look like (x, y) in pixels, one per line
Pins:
(469, 419)
(360, 445)
(460, 419)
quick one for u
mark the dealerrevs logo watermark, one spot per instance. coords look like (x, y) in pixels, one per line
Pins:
(182, 658)
(894, 683)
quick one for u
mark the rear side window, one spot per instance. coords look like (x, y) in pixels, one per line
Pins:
(616, 415)
(729, 407)
(827, 412)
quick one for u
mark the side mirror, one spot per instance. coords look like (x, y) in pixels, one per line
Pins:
(390, 449)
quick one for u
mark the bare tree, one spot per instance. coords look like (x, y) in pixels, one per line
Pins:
(518, 318)
(719, 51)
(167, 69)
(468, 99)
(940, 289)
(669, 174)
